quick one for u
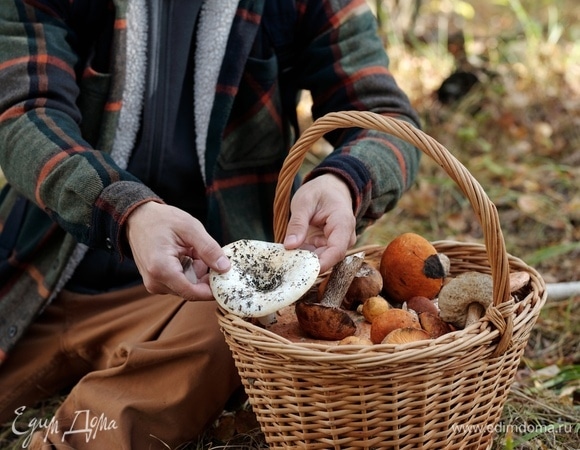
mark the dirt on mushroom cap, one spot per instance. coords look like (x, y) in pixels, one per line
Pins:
(263, 278)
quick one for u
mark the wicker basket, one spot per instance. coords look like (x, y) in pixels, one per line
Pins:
(446, 393)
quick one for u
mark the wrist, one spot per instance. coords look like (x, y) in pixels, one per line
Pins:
(352, 171)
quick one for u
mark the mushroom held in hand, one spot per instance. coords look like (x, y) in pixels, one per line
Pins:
(326, 320)
(411, 266)
(263, 278)
(464, 299)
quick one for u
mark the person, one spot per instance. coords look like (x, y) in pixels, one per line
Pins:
(135, 133)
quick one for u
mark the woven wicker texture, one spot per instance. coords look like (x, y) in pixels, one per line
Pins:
(446, 393)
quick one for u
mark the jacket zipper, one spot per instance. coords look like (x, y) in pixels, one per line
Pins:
(156, 115)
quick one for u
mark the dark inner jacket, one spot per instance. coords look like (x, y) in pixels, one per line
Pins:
(164, 158)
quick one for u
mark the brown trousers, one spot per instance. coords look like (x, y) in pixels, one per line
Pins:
(149, 371)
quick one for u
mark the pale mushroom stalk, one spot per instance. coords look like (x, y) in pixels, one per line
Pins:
(340, 279)
(474, 312)
(187, 264)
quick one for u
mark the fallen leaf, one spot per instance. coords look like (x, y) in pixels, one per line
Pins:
(529, 204)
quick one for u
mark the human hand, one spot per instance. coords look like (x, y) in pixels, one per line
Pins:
(322, 220)
(160, 237)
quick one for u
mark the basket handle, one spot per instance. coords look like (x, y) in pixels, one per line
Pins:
(484, 209)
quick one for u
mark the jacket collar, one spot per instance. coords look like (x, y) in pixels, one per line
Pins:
(213, 29)
(239, 44)
(131, 64)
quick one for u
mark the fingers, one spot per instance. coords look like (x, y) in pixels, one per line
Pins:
(168, 277)
(340, 232)
(207, 249)
(298, 224)
(160, 236)
(322, 220)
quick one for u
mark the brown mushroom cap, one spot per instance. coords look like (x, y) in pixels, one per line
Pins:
(410, 266)
(367, 282)
(421, 304)
(391, 320)
(518, 280)
(434, 325)
(324, 322)
(465, 298)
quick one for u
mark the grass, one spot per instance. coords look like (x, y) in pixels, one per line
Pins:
(518, 133)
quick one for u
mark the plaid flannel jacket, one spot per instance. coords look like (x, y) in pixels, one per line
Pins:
(67, 128)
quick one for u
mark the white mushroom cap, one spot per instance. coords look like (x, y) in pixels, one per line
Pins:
(264, 277)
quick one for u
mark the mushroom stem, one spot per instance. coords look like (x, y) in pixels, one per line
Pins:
(474, 312)
(187, 264)
(268, 320)
(327, 320)
(340, 279)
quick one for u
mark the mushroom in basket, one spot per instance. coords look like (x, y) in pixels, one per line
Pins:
(264, 277)
(367, 283)
(465, 299)
(411, 266)
(327, 320)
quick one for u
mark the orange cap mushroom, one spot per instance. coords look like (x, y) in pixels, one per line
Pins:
(391, 320)
(373, 307)
(410, 266)
(406, 335)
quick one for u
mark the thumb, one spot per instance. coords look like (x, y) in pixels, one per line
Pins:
(208, 250)
(296, 231)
